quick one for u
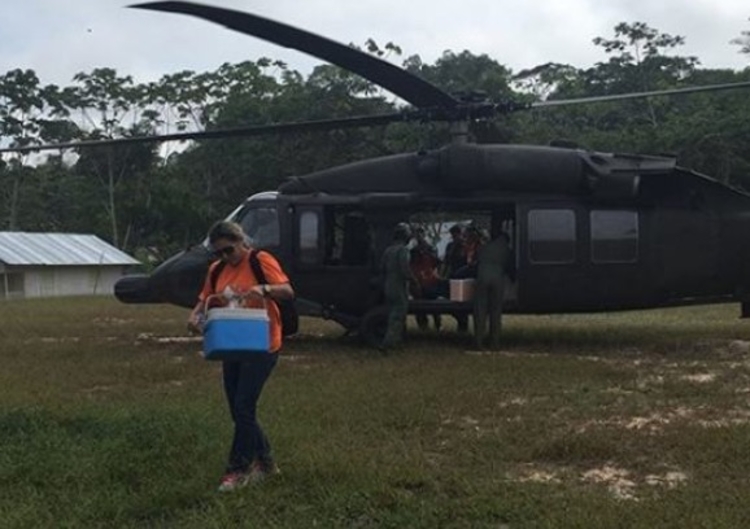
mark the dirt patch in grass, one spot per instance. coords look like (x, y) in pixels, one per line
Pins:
(621, 483)
(150, 337)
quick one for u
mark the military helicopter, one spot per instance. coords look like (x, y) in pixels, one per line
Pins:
(591, 231)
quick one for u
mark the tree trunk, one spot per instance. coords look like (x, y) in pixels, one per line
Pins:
(13, 206)
(111, 193)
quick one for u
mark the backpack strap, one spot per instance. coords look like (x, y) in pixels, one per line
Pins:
(260, 277)
(287, 310)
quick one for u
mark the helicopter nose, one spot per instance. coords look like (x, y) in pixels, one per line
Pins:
(136, 289)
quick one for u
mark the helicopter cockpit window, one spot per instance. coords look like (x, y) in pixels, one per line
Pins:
(309, 222)
(262, 226)
(614, 236)
(552, 236)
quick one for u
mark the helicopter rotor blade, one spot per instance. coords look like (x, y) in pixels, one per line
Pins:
(468, 112)
(235, 132)
(409, 87)
(632, 95)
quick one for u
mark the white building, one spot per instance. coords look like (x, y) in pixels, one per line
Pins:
(58, 264)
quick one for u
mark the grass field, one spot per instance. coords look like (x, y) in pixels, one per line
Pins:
(635, 419)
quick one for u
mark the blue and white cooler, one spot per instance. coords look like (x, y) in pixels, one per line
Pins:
(235, 333)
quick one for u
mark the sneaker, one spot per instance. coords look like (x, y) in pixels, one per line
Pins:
(233, 481)
(260, 470)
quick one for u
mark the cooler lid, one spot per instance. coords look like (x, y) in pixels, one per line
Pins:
(237, 314)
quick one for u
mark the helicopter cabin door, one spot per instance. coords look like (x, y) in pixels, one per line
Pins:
(548, 256)
(687, 246)
(576, 258)
(333, 257)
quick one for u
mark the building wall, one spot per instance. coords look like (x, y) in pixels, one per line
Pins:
(63, 281)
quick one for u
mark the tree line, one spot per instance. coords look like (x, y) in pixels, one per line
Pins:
(152, 198)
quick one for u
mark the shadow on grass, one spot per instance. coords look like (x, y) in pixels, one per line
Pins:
(683, 331)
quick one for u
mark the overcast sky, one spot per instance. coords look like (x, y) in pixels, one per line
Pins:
(59, 38)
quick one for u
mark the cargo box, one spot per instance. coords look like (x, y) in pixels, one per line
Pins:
(233, 334)
(462, 289)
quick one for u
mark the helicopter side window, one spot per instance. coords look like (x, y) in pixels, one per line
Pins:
(262, 226)
(309, 223)
(552, 236)
(614, 236)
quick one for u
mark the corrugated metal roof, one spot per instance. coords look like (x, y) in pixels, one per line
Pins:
(20, 248)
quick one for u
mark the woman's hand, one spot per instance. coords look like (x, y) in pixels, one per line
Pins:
(195, 322)
(257, 292)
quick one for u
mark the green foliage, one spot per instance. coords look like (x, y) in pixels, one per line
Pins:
(464, 73)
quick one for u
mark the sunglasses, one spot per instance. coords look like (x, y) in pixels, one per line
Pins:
(224, 252)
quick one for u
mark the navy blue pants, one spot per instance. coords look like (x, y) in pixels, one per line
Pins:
(243, 383)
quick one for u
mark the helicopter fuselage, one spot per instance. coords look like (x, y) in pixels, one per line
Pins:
(590, 231)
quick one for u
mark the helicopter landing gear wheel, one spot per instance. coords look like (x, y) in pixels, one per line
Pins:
(373, 326)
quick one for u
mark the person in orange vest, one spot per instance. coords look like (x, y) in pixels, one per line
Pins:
(424, 265)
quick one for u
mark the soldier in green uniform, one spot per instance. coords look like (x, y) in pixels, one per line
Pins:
(395, 266)
(494, 261)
